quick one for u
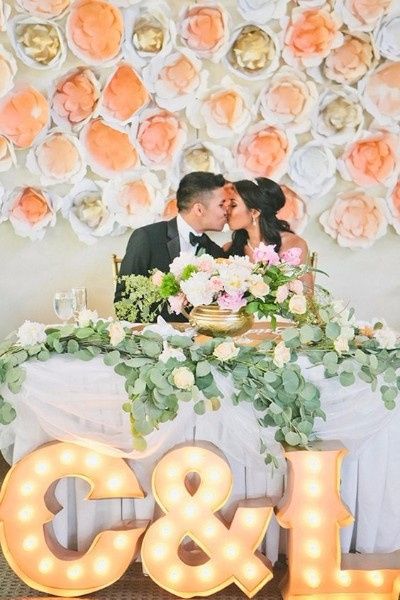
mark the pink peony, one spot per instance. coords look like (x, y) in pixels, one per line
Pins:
(291, 256)
(266, 254)
(231, 301)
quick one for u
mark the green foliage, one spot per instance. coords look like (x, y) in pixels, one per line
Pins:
(169, 285)
(141, 299)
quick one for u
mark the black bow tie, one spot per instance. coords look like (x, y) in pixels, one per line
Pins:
(197, 239)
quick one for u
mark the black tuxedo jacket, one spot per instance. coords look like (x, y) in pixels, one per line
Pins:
(154, 247)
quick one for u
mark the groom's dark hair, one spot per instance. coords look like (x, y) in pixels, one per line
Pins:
(195, 187)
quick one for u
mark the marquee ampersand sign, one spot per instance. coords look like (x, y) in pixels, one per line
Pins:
(228, 554)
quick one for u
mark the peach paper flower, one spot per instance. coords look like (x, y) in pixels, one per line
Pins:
(124, 94)
(294, 211)
(7, 155)
(393, 200)
(352, 60)
(109, 149)
(24, 113)
(310, 36)
(30, 211)
(44, 8)
(204, 29)
(355, 220)
(94, 31)
(264, 151)
(371, 160)
(381, 93)
(362, 15)
(75, 98)
(161, 136)
(8, 69)
(57, 159)
(170, 209)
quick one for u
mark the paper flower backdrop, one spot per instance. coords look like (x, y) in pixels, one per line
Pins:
(306, 92)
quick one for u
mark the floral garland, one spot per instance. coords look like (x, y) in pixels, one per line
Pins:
(160, 373)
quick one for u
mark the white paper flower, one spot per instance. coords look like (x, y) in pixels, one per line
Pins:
(202, 156)
(361, 15)
(30, 211)
(225, 110)
(387, 35)
(31, 333)
(254, 52)
(38, 42)
(355, 220)
(294, 210)
(393, 201)
(380, 93)
(88, 214)
(288, 99)
(57, 159)
(175, 79)
(135, 200)
(47, 9)
(7, 155)
(5, 11)
(160, 137)
(261, 11)
(203, 28)
(312, 167)
(150, 32)
(123, 95)
(339, 117)
(8, 69)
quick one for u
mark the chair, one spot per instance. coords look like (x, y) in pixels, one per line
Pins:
(116, 265)
(314, 260)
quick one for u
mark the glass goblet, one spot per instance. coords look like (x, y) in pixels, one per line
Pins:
(63, 304)
(79, 298)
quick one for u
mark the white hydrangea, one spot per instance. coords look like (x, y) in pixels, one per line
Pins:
(31, 333)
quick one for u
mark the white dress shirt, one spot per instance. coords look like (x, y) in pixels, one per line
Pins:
(184, 229)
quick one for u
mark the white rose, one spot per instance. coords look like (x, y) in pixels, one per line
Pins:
(197, 289)
(341, 344)
(226, 351)
(170, 352)
(116, 332)
(312, 167)
(281, 354)
(183, 378)
(180, 262)
(259, 288)
(31, 333)
(298, 304)
(385, 337)
(85, 316)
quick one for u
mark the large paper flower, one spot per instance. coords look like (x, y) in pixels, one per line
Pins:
(362, 15)
(75, 98)
(30, 211)
(44, 8)
(264, 151)
(161, 136)
(204, 29)
(57, 159)
(124, 95)
(7, 154)
(38, 43)
(355, 220)
(170, 209)
(94, 31)
(175, 79)
(136, 200)
(381, 93)
(24, 113)
(388, 35)
(261, 11)
(5, 11)
(288, 99)
(371, 160)
(8, 69)
(225, 110)
(393, 200)
(310, 36)
(312, 167)
(109, 149)
(349, 62)
(294, 211)
(254, 52)
(88, 214)
(202, 156)
(339, 117)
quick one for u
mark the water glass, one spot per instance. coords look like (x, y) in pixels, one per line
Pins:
(79, 298)
(63, 304)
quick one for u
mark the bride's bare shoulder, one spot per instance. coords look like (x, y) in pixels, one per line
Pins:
(292, 240)
(226, 247)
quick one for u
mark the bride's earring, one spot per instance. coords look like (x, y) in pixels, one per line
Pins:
(254, 221)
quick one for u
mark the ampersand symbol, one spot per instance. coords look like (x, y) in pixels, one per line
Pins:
(225, 554)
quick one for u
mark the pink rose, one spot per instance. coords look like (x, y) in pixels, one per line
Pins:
(292, 256)
(371, 160)
(232, 301)
(216, 284)
(176, 303)
(161, 136)
(282, 293)
(157, 277)
(263, 151)
(296, 286)
(266, 254)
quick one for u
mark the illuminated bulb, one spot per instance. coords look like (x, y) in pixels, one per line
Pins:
(209, 530)
(190, 511)
(214, 474)
(312, 518)
(312, 578)
(27, 488)
(121, 542)
(114, 483)
(41, 468)
(101, 565)
(376, 578)
(172, 471)
(174, 494)
(313, 489)
(194, 458)
(206, 572)
(231, 551)
(92, 461)
(67, 457)
(159, 551)
(26, 513)
(208, 497)
(343, 578)
(30, 543)
(313, 549)
(249, 519)
(74, 572)
(250, 571)
(314, 464)
(45, 565)
(175, 574)
(166, 530)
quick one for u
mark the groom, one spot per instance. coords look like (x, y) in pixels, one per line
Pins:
(201, 200)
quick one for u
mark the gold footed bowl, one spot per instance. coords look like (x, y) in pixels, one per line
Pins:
(215, 321)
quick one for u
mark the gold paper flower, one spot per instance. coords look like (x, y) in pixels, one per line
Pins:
(252, 50)
(148, 35)
(91, 210)
(342, 113)
(197, 159)
(39, 41)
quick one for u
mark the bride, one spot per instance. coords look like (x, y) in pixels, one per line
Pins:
(252, 216)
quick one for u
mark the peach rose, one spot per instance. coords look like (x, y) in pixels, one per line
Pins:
(310, 36)
(294, 211)
(76, 96)
(95, 30)
(57, 159)
(44, 8)
(161, 136)
(263, 151)
(362, 15)
(109, 149)
(394, 205)
(24, 113)
(125, 94)
(371, 160)
(382, 93)
(355, 220)
(352, 60)
(204, 29)
(170, 209)
(8, 69)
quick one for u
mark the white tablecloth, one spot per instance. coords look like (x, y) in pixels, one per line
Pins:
(70, 400)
